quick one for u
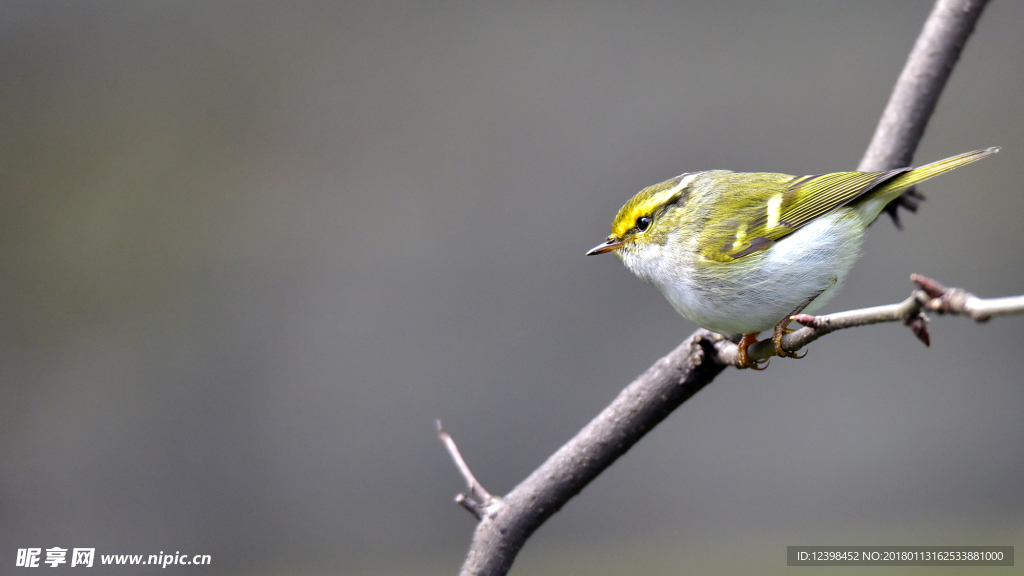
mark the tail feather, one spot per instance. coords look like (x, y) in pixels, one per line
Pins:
(922, 173)
(889, 190)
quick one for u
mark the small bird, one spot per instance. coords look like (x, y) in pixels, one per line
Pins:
(741, 253)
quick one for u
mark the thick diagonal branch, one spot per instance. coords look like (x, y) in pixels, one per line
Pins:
(638, 408)
(919, 86)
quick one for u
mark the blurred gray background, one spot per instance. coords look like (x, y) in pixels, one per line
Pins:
(251, 251)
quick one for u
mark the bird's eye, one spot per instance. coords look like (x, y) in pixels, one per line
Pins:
(643, 222)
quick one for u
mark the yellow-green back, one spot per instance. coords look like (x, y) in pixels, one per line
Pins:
(753, 211)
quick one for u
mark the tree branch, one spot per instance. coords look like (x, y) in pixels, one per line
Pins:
(476, 508)
(917, 92)
(507, 522)
(931, 296)
(919, 86)
(637, 409)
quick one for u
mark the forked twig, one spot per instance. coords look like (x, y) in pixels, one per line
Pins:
(477, 508)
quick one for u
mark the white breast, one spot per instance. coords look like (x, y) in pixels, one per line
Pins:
(752, 294)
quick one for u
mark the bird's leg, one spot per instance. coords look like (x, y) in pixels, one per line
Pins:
(781, 329)
(744, 360)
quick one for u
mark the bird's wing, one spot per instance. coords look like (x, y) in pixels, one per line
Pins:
(767, 207)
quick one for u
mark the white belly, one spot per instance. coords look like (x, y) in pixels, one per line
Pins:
(801, 271)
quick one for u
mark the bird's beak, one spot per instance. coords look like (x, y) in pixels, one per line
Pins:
(606, 246)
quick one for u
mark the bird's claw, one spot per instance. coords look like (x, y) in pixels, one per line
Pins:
(744, 358)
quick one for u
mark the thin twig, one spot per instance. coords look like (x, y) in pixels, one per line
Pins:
(931, 296)
(474, 507)
(478, 509)
(956, 301)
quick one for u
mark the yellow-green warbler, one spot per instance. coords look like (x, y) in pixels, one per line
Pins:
(739, 253)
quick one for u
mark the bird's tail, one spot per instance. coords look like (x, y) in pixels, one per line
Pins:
(890, 189)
